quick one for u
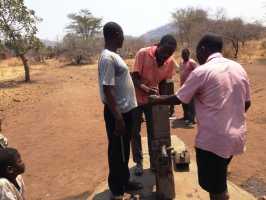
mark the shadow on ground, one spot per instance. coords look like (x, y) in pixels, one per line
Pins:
(147, 193)
(178, 123)
(13, 84)
(83, 196)
(255, 186)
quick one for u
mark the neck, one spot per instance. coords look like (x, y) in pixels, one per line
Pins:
(13, 180)
(159, 62)
(111, 47)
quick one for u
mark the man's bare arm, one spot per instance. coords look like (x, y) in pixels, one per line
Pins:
(164, 100)
(120, 128)
(137, 82)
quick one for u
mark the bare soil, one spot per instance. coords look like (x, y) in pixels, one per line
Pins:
(57, 124)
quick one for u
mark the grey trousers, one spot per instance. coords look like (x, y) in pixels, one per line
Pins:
(136, 135)
(189, 111)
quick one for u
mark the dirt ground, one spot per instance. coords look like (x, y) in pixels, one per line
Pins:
(56, 122)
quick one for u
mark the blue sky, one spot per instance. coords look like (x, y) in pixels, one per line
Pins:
(135, 16)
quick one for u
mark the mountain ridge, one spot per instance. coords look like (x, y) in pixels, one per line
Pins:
(158, 32)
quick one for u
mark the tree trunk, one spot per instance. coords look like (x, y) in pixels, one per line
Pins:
(26, 67)
(236, 47)
(78, 59)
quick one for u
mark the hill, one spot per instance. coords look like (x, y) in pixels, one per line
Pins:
(49, 43)
(159, 32)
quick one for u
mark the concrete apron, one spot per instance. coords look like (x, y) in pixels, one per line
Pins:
(186, 183)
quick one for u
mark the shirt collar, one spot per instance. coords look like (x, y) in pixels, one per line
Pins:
(214, 55)
(152, 51)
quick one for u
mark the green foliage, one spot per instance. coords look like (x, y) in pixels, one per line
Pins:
(18, 29)
(192, 23)
(84, 24)
(81, 43)
(18, 26)
(79, 50)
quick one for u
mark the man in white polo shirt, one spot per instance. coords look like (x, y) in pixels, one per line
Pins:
(118, 96)
(221, 91)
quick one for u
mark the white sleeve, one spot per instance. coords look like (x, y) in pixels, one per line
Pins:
(6, 193)
(107, 72)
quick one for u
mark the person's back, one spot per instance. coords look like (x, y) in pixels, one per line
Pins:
(220, 101)
(222, 96)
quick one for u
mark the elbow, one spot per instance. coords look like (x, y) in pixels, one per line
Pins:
(247, 105)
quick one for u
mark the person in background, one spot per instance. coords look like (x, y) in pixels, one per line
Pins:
(187, 65)
(152, 65)
(221, 90)
(118, 97)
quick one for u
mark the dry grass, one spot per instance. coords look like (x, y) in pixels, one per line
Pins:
(11, 62)
(11, 69)
(253, 51)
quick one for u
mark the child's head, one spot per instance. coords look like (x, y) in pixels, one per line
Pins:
(11, 164)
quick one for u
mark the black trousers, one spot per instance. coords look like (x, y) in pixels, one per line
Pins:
(118, 169)
(136, 135)
(212, 171)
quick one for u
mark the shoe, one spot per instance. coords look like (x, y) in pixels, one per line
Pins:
(133, 186)
(125, 196)
(182, 119)
(172, 117)
(139, 169)
(189, 124)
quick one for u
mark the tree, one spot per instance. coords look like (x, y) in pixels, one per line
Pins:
(81, 42)
(190, 23)
(131, 46)
(238, 32)
(18, 29)
(75, 48)
(252, 31)
(84, 24)
(38, 53)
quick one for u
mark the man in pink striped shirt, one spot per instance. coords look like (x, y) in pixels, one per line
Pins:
(222, 96)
